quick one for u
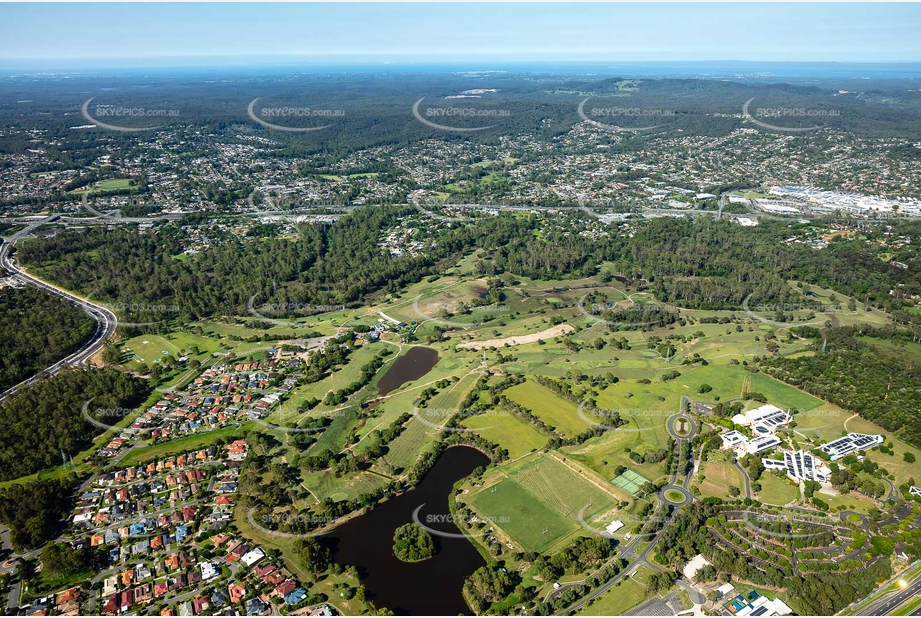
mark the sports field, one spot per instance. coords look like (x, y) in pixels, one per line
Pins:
(644, 431)
(549, 407)
(109, 184)
(508, 431)
(537, 501)
(630, 482)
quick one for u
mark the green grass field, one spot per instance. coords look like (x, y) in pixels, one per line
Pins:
(536, 501)
(531, 524)
(718, 477)
(145, 349)
(183, 445)
(508, 431)
(110, 184)
(849, 502)
(624, 596)
(776, 490)
(549, 407)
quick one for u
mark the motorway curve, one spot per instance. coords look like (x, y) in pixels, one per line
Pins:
(105, 319)
(891, 602)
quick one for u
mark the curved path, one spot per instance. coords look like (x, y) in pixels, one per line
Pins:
(629, 553)
(745, 479)
(105, 319)
(670, 425)
(688, 497)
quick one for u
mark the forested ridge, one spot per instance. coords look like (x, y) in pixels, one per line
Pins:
(46, 419)
(38, 329)
(694, 263)
(859, 373)
(33, 512)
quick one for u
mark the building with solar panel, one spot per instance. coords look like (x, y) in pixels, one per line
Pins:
(852, 442)
(800, 466)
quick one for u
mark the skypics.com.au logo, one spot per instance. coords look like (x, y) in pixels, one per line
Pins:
(457, 118)
(778, 114)
(491, 309)
(315, 424)
(113, 113)
(319, 523)
(279, 118)
(602, 117)
(623, 314)
(428, 208)
(634, 420)
(289, 308)
(429, 520)
(820, 311)
(437, 418)
(121, 309)
(104, 418)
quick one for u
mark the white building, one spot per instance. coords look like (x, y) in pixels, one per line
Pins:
(762, 606)
(914, 491)
(763, 420)
(208, 571)
(732, 439)
(800, 466)
(761, 444)
(252, 557)
(743, 446)
(614, 526)
(694, 565)
(850, 443)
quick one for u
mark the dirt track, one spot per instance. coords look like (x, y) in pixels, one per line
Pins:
(550, 333)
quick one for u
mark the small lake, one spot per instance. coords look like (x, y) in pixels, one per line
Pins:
(411, 366)
(431, 587)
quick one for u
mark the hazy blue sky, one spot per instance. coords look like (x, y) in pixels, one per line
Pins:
(435, 32)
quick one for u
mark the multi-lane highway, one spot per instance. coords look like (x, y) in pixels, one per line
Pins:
(891, 602)
(105, 319)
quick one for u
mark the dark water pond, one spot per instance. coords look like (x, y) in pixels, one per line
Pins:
(411, 366)
(433, 586)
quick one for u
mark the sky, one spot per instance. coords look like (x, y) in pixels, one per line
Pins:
(122, 34)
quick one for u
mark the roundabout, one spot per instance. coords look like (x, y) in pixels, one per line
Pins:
(681, 427)
(676, 495)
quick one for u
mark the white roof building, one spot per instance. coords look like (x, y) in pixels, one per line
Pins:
(762, 606)
(252, 557)
(761, 443)
(763, 420)
(848, 444)
(800, 466)
(614, 526)
(208, 570)
(696, 563)
(914, 491)
(732, 439)
(738, 442)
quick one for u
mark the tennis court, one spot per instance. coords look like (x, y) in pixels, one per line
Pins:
(630, 482)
